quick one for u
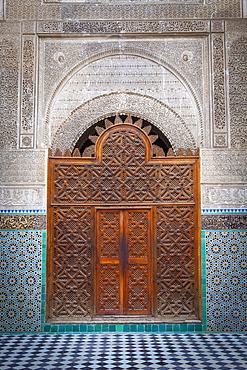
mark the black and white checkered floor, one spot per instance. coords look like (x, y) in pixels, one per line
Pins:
(124, 351)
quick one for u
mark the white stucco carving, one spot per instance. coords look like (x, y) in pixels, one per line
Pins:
(224, 196)
(223, 166)
(152, 110)
(22, 167)
(22, 198)
(172, 71)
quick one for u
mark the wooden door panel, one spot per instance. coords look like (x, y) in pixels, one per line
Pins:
(176, 261)
(108, 270)
(123, 262)
(70, 263)
(109, 298)
(138, 283)
(109, 234)
(138, 230)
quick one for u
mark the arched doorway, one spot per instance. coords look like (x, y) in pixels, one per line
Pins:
(123, 234)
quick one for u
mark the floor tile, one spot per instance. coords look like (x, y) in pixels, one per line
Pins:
(124, 351)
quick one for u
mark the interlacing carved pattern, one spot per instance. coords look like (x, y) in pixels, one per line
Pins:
(124, 175)
(176, 183)
(124, 148)
(219, 82)
(138, 244)
(28, 85)
(71, 262)
(175, 261)
(123, 255)
(137, 234)
(109, 236)
(108, 257)
(124, 26)
(8, 93)
(22, 222)
(27, 92)
(237, 91)
(109, 299)
(116, 183)
(138, 293)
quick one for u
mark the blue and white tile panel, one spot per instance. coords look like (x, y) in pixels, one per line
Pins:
(20, 275)
(226, 265)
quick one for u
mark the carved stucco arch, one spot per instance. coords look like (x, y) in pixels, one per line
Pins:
(152, 110)
(134, 52)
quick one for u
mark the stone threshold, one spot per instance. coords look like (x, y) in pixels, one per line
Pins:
(127, 320)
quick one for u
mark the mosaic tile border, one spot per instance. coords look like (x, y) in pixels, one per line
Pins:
(134, 328)
(224, 210)
(19, 211)
(43, 280)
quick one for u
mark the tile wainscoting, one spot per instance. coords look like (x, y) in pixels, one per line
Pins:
(23, 290)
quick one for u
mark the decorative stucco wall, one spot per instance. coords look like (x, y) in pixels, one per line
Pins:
(65, 65)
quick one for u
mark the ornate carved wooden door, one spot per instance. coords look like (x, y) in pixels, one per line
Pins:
(123, 261)
(123, 229)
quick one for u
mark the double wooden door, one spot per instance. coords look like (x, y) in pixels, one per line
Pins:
(123, 277)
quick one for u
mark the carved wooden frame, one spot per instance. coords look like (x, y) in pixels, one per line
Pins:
(173, 204)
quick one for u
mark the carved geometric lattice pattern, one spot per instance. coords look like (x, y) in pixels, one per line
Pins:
(109, 288)
(109, 236)
(137, 234)
(175, 261)
(138, 292)
(123, 175)
(124, 148)
(101, 183)
(71, 262)
(138, 269)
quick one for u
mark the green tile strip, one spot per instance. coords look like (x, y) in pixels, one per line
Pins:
(43, 283)
(204, 281)
(132, 328)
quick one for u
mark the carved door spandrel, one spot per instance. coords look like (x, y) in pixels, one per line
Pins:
(123, 262)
